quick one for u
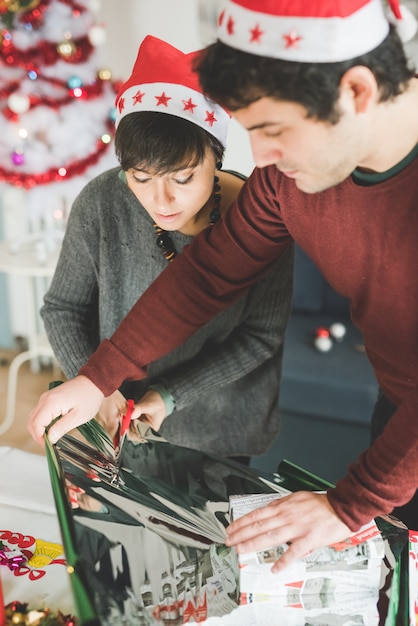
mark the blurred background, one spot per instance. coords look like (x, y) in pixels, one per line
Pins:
(61, 62)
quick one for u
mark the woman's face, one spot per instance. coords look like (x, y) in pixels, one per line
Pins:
(175, 200)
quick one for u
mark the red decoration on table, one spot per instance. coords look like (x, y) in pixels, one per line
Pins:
(13, 559)
(322, 332)
(18, 614)
(19, 559)
(322, 340)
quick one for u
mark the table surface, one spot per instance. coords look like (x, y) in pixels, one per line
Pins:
(29, 522)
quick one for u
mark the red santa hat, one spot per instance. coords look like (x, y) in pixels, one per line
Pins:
(163, 80)
(315, 31)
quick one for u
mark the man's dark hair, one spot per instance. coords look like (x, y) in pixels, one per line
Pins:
(236, 79)
(162, 143)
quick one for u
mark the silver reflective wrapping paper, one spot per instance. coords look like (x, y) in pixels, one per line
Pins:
(145, 541)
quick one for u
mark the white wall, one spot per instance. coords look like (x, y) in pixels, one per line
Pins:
(186, 24)
(176, 21)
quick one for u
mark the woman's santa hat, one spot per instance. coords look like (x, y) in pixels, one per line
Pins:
(312, 31)
(163, 81)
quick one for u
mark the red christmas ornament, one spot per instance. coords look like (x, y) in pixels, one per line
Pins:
(322, 340)
(322, 332)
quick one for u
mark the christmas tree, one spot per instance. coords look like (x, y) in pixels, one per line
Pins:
(56, 107)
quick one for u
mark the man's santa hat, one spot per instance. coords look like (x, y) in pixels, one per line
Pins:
(312, 31)
(163, 80)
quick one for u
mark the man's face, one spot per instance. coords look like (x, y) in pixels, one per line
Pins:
(316, 154)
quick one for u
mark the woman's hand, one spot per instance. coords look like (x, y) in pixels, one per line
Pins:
(151, 409)
(111, 411)
(75, 402)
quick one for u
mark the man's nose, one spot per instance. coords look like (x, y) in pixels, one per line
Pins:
(264, 153)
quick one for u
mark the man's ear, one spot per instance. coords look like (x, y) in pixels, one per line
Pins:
(359, 83)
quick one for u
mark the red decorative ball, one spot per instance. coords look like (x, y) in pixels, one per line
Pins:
(322, 332)
(322, 340)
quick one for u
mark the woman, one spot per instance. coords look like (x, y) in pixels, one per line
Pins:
(218, 392)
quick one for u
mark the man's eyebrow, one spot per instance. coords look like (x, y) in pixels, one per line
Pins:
(263, 125)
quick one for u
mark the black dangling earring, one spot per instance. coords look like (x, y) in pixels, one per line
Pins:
(164, 242)
(215, 214)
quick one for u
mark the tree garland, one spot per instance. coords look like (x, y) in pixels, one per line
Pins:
(58, 174)
(30, 11)
(45, 53)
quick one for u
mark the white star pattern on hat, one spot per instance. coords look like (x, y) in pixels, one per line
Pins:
(173, 99)
(306, 31)
(163, 81)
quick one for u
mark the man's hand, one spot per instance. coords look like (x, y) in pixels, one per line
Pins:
(150, 409)
(76, 401)
(304, 520)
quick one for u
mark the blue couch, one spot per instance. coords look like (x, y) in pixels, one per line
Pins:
(326, 399)
(339, 384)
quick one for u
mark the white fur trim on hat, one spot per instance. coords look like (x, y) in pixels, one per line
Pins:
(304, 38)
(176, 100)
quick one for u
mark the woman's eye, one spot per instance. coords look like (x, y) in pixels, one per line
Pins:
(183, 181)
(141, 180)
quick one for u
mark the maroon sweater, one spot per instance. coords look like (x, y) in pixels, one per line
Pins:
(364, 239)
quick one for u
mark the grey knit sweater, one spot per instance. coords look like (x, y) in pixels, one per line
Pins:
(224, 380)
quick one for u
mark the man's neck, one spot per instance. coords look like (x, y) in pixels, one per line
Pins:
(395, 131)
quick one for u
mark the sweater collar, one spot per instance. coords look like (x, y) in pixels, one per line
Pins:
(372, 178)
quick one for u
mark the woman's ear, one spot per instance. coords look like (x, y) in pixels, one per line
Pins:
(359, 83)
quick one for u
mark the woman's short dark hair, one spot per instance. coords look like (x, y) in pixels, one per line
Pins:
(161, 142)
(235, 79)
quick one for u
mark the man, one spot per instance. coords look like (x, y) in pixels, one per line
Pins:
(330, 104)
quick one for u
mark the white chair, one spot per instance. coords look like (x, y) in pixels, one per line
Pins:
(27, 259)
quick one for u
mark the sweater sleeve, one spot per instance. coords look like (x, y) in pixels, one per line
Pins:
(219, 267)
(70, 304)
(385, 475)
(258, 337)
